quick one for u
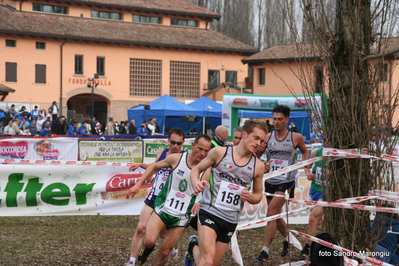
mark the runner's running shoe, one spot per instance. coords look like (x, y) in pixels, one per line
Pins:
(175, 251)
(129, 263)
(304, 252)
(286, 249)
(143, 256)
(189, 257)
(263, 257)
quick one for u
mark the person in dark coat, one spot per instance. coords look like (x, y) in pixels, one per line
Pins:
(132, 128)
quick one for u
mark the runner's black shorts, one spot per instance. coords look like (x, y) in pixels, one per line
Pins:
(150, 203)
(290, 186)
(224, 230)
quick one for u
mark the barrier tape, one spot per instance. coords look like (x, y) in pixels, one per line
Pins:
(58, 162)
(274, 217)
(345, 251)
(346, 206)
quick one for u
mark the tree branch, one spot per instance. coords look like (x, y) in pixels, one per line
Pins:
(379, 55)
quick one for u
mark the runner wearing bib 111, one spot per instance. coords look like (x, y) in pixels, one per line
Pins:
(282, 147)
(174, 202)
(176, 140)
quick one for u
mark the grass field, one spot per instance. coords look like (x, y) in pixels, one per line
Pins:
(103, 240)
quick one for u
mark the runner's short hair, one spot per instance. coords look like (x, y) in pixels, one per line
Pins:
(282, 109)
(202, 136)
(177, 131)
(249, 126)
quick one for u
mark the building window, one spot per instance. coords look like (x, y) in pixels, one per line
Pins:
(106, 15)
(145, 77)
(78, 64)
(213, 79)
(261, 76)
(49, 8)
(146, 19)
(11, 43)
(40, 74)
(11, 72)
(231, 76)
(184, 79)
(183, 22)
(40, 45)
(319, 79)
(384, 73)
(101, 65)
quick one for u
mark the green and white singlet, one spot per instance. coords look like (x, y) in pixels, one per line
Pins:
(176, 197)
(227, 180)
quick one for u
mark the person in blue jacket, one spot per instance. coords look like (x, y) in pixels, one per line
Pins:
(142, 131)
(83, 129)
(387, 246)
(72, 129)
(32, 128)
(45, 132)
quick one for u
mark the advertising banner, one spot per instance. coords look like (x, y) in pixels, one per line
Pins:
(39, 149)
(111, 151)
(151, 147)
(34, 190)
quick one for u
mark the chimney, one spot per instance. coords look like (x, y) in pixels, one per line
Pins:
(201, 3)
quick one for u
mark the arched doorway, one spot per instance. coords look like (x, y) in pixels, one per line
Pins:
(81, 104)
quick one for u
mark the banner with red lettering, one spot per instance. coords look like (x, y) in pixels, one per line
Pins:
(62, 189)
(39, 148)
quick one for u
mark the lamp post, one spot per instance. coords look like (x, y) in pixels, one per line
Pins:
(92, 86)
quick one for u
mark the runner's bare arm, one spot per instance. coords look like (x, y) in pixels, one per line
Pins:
(300, 143)
(309, 175)
(170, 161)
(145, 165)
(256, 196)
(213, 157)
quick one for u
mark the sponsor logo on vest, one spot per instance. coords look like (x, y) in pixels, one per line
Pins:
(180, 195)
(183, 185)
(271, 153)
(180, 172)
(209, 221)
(233, 187)
(233, 179)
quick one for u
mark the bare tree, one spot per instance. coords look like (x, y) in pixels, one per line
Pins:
(357, 67)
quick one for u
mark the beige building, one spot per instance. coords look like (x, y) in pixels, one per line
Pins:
(125, 52)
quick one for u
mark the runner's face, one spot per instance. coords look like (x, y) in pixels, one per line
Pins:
(236, 138)
(253, 140)
(175, 148)
(280, 121)
(201, 149)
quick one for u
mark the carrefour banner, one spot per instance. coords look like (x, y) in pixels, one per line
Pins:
(62, 189)
(151, 147)
(111, 151)
(39, 149)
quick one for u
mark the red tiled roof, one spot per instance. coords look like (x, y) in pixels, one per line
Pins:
(170, 6)
(284, 52)
(290, 52)
(4, 88)
(76, 28)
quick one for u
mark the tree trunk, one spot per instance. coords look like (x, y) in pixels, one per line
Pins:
(347, 126)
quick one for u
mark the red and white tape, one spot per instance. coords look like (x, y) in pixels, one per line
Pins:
(344, 251)
(59, 162)
(274, 217)
(346, 206)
